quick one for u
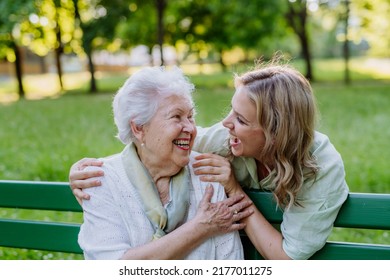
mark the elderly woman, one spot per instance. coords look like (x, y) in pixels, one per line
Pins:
(151, 205)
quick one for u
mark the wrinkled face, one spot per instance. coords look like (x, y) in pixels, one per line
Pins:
(170, 135)
(246, 135)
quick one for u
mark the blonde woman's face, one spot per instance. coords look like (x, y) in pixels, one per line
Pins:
(246, 135)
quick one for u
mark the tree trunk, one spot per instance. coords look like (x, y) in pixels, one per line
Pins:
(88, 50)
(161, 4)
(200, 62)
(306, 53)
(347, 78)
(58, 52)
(91, 67)
(297, 18)
(42, 65)
(221, 62)
(18, 69)
(59, 47)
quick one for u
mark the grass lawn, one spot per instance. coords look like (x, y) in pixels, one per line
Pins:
(41, 138)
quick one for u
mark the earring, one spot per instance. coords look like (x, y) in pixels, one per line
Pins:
(142, 144)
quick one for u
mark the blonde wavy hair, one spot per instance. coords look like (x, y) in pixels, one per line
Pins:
(286, 110)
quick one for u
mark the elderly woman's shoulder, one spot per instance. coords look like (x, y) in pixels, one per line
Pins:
(192, 156)
(111, 162)
(113, 170)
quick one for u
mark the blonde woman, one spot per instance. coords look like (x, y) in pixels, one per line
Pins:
(272, 138)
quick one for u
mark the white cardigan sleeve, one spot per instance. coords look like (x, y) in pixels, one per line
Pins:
(103, 234)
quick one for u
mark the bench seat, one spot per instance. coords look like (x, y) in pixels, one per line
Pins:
(360, 211)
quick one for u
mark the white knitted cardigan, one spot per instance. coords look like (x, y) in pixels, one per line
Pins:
(115, 222)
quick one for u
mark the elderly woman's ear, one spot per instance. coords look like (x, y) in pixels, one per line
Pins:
(138, 131)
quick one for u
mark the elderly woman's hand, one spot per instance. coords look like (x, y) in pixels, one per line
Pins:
(80, 179)
(215, 168)
(223, 216)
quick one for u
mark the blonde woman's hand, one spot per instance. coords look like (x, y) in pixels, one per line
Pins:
(215, 168)
(80, 179)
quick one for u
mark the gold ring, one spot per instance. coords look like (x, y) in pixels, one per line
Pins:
(235, 212)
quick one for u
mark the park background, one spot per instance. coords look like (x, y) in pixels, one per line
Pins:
(61, 61)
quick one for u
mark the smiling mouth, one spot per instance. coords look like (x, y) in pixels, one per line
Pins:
(234, 141)
(183, 144)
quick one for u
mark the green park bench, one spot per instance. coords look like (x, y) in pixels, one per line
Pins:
(361, 211)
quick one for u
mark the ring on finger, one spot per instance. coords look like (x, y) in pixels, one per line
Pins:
(235, 212)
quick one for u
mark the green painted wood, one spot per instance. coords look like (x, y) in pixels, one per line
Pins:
(250, 252)
(361, 210)
(365, 210)
(333, 251)
(369, 211)
(265, 202)
(352, 251)
(37, 195)
(59, 237)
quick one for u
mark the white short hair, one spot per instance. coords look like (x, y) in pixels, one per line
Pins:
(138, 99)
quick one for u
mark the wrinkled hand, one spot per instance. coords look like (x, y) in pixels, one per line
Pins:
(80, 179)
(223, 216)
(215, 168)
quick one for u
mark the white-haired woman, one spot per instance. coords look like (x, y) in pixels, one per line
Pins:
(150, 204)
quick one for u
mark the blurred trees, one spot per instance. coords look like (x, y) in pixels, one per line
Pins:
(97, 21)
(15, 14)
(371, 22)
(206, 29)
(220, 26)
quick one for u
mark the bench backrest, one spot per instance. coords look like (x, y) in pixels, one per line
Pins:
(366, 211)
(361, 211)
(40, 235)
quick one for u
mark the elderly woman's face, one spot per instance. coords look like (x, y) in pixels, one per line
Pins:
(170, 135)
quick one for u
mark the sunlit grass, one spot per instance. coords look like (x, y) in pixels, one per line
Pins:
(360, 68)
(47, 85)
(376, 68)
(41, 86)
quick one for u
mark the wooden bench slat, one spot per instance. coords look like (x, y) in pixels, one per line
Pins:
(366, 211)
(352, 251)
(333, 251)
(59, 237)
(361, 210)
(37, 195)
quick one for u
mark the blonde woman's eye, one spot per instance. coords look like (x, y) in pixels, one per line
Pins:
(240, 121)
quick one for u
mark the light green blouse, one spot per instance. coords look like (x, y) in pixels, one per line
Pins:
(304, 229)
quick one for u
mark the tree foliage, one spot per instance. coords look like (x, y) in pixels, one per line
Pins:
(14, 15)
(222, 25)
(207, 28)
(371, 22)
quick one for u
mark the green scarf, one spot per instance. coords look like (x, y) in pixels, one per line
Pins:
(164, 220)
